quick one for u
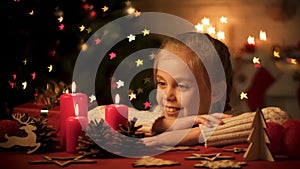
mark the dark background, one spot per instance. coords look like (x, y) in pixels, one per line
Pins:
(35, 38)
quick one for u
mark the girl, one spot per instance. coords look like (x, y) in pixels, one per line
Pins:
(193, 80)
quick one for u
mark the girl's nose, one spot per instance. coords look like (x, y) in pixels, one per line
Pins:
(170, 94)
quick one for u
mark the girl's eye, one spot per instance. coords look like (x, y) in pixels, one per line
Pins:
(183, 86)
(161, 83)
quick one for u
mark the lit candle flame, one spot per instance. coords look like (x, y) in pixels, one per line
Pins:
(73, 87)
(251, 40)
(117, 99)
(263, 35)
(76, 110)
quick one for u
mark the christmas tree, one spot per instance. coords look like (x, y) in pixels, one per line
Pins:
(259, 140)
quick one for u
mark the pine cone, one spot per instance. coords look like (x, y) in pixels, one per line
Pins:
(100, 135)
(46, 135)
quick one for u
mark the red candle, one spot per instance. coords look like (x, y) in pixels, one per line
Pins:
(116, 114)
(67, 109)
(75, 126)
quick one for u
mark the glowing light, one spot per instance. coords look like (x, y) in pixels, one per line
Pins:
(146, 32)
(199, 27)
(147, 105)
(132, 96)
(251, 40)
(211, 30)
(137, 13)
(205, 21)
(221, 35)
(81, 28)
(120, 83)
(223, 19)
(31, 12)
(262, 35)
(276, 54)
(14, 76)
(112, 55)
(256, 60)
(243, 96)
(84, 47)
(130, 10)
(24, 84)
(25, 61)
(60, 19)
(50, 68)
(105, 8)
(33, 75)
(76, 110)
(92, 98)
(73, 87)
(131, 38)
(61, 26)
(139, 62)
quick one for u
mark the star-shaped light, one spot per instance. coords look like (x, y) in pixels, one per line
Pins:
(130, 10)
(112, 55)
(199, 27)
(132, 96)
(25, 61)
(146, 32)
(24, 84)
(92, 98)
(81, 28)
(61, 27)
(243, 95)
(31, 12)
(221, 35)
(223, 19)
(147, 105)
(256, 60)
(137, 13)
(50, 67)
(105, 8)
(131, 38)
(60, 19)
(211, 30)
(97, 41)
(89, 30)
(33, 75)
(84, 47)
(12, 84)
(139, 62)
(276, 54)
(140, 90)
(120, 83)
(205, 21)
(147, 80)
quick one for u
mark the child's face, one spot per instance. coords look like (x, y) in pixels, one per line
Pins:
(177, 88)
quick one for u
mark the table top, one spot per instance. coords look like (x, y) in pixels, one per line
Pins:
(16, 160)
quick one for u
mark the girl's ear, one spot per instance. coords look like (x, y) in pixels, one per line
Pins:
(219, 90)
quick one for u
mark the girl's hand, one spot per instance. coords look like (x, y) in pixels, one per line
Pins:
(209, 120)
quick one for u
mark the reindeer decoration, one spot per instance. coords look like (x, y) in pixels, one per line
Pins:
(28, 141)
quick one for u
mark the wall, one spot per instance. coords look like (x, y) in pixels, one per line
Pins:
(248, 17)
(245, 17)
